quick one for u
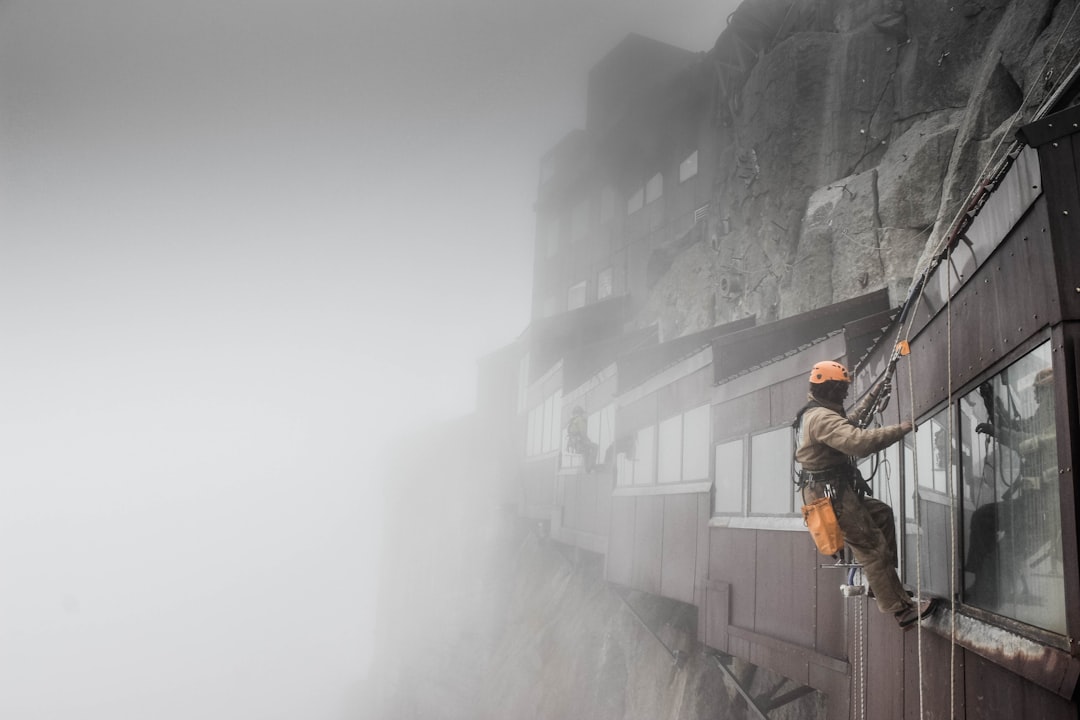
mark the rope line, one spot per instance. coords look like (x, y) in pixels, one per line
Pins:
(951, 482)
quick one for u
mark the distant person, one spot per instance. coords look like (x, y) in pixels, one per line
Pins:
(829, 447)
(577, 439)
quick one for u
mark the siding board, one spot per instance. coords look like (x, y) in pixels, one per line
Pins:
(785, 579)
(648, 536)
(679, 550)
(620, 556)
(731, 559)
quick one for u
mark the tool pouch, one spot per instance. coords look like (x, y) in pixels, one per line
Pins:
(821, 520)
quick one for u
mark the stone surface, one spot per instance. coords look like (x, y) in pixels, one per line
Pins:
(907, 104)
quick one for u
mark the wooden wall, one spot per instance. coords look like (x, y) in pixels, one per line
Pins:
(657, 543)
(537, 486)
(584, 509)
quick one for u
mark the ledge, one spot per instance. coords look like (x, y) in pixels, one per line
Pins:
(1046, 666)
(673, 489)
(758, 523)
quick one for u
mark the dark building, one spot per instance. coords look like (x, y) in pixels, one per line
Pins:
(691, 497)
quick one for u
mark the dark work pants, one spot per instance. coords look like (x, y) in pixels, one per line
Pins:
(870, 531)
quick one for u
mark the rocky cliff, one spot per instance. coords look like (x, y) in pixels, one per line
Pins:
(852, 131)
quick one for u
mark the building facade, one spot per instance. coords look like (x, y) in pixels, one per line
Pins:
(691, 495)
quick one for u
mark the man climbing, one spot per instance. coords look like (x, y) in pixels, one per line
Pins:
(577, 438)
(829, 447)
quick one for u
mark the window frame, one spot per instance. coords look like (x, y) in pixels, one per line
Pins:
(751, 512)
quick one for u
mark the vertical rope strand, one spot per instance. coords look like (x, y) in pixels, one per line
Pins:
(917, 497)
(951, 480)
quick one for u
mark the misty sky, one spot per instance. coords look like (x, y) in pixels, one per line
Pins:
(243, 244)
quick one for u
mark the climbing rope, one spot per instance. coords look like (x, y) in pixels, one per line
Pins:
(950, 483)
(860, 653)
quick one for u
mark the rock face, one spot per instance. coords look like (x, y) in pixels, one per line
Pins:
(544, 637)
(852, 132)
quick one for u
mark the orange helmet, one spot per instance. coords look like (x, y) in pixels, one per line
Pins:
(828, 370)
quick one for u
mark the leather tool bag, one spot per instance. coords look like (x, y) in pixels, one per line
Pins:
(821, 520)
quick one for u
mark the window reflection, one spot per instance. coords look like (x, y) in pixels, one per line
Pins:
(928, 550)
(1012, 515)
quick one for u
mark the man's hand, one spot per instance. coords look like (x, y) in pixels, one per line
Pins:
(906, 426)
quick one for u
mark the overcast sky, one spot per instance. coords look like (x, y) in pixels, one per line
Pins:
(242, 244)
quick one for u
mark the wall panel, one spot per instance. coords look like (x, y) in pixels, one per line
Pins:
(679, 549)
(785, 587)
(648, 536)
(620, 556)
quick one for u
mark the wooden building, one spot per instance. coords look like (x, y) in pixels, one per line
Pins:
(691, 496)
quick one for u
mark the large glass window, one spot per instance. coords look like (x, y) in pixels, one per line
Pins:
(927, 507)
(575, 296)
(602, 431)
(683, 447)
(882, 472)
(771, 489)
(729, 477)
(543, 426)
(1012, 515)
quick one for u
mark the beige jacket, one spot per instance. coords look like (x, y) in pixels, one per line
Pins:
(829, 438)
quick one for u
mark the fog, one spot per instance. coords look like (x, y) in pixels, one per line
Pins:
(243, 246)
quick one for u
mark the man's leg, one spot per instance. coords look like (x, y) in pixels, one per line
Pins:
(874, 551)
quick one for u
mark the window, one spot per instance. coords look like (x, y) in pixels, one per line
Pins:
(729, 477)
(604, 283)
(928, 504)
(546, 437)
(654, 188)
(771, 489)
(688, 167)
(683, 447)
(636, 201)
(882, 472)
(602, 430)
(575, 296)
(1012, 557)
(543, 431)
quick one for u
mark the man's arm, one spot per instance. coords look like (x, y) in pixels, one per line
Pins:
(838, 433)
